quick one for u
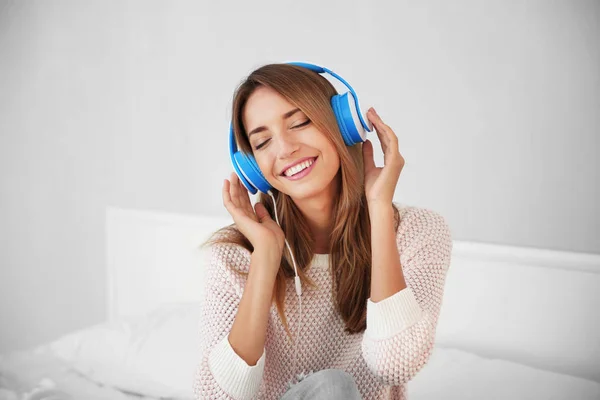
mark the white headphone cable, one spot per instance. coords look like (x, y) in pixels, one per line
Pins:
(297, 284)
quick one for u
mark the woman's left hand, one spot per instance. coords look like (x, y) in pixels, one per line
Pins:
(380, 182)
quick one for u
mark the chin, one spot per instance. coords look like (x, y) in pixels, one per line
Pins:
(308, 191)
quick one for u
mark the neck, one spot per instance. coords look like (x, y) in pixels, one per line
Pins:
(318, 212)
(318, 215)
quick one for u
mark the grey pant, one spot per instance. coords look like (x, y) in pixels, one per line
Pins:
(326, 384)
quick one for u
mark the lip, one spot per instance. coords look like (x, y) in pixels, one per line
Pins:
(295, 163)
(303, 173)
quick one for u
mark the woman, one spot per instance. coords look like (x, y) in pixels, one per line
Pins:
(372, 272)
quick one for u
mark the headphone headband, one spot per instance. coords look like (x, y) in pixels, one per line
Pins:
(322, 70)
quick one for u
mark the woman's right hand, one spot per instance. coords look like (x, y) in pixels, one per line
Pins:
(255, 223)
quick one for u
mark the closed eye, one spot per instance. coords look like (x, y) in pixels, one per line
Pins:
(293, 127)
(302, 124)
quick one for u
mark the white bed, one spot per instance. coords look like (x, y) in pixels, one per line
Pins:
(516, 323)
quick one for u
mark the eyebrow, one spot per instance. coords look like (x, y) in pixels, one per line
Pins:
(263, 128)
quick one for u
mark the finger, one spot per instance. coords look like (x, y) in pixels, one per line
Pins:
(385, 133)
(389, 140)
(240, 197)
(368, 160)
(378, 121)
(234, 189)
(226, 196)
(261, 212)
(378, 129)
(245, 198)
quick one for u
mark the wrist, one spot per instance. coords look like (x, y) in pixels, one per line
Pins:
(265, 264)
(380, 207)
(269, 253)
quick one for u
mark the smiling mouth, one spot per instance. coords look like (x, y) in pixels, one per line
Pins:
(299, 172)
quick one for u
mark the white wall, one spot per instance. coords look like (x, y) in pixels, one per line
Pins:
(127, 103)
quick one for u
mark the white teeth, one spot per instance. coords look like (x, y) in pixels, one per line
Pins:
(297, 168)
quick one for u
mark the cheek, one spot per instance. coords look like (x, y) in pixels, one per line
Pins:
(336, 163)
(332, 155)
(265, 165)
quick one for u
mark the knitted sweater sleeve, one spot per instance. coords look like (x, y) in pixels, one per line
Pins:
(401, 328)
(221, 373)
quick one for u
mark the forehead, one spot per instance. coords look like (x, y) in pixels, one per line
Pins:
(264, 106)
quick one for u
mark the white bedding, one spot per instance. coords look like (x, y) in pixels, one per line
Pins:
(449, 374)
(140, 357)
(455, 374)
(39, 375)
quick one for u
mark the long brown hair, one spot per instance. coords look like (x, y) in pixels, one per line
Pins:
(350, 244)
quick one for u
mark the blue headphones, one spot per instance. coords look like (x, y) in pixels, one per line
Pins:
(350, 119)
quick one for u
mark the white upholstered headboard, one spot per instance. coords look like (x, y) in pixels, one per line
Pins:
(153, 258)
(533, 306)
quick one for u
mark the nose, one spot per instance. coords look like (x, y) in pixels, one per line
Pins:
(286, 146)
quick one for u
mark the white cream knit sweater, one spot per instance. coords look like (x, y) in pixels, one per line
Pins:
(395, 346)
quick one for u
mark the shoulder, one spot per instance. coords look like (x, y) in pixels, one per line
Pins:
(226, 258)
(225, 268)
(422, 226)
(417, 218)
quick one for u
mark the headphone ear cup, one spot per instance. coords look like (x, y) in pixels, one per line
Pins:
(253, 177)
(344, 108)
(241, 167)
